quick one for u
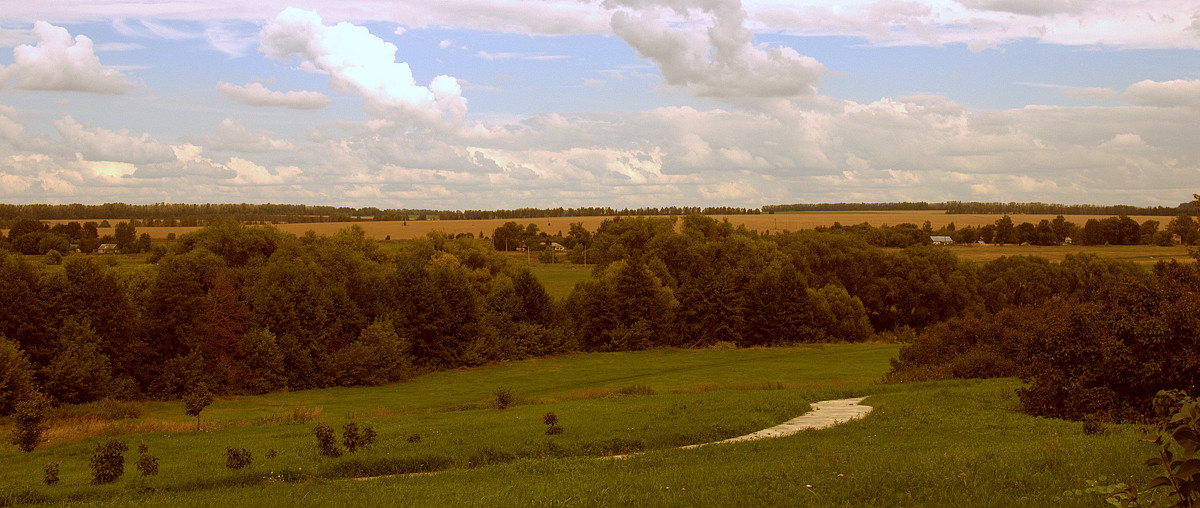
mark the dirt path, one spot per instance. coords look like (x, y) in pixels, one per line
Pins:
(825, 414)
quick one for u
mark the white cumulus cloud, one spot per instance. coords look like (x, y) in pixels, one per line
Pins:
(1165, 94)
(97, 144)
(255, 94)
(60, 62)
(361, 63)
(717, 58)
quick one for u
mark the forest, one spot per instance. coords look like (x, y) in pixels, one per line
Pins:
(177, 214)
(249, 309)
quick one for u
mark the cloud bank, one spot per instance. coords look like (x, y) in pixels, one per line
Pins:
(255, 94)
(60, 62)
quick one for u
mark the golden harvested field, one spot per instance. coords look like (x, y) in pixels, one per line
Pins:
(1141, 254)
(773, 223)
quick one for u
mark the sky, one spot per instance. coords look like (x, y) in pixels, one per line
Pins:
(491, 104)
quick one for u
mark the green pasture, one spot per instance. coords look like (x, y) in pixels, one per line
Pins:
(952, 443)
(560, 278)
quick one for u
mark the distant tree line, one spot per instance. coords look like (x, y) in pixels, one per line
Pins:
(1120, 230)
(975, 207)
(168, 214)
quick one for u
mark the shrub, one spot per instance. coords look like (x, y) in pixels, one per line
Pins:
(353, 439)
(237, 458)
(30, 422)
(50, 473)
(1092, 425)
(326, 445)
(414, 438)
(147, 464)
(1178, 440)
(551, 419)
(503, 397)
(108, 462)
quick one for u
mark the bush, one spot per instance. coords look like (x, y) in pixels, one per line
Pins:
(237, 458)
(30, 422)
(353, 439)
(108, 462)
(147, 464)
(1178, 441)
(414, 438)
(503, 397)
(1092, 425)
(326, 445)
(50, 473)
(551, 419)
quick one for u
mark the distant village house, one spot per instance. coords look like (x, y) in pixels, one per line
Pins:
(941, 240)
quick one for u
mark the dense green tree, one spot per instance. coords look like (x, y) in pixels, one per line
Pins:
(379, 356)
(92, 290)
(260, 367)
(27, 316)
(177, 302)
(1005, 231)
(80, 372)
(1184, 226)
(125, 235)
(16, 375)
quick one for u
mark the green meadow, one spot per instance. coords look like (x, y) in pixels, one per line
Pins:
(952, 443)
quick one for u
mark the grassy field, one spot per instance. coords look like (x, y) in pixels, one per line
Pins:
(1141, 254)
(560, 278)
(935, 444)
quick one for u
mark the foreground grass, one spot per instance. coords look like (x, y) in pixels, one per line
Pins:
(934, 444)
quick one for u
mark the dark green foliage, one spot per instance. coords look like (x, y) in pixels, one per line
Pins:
(29, 416)
(196, 400)
(413, 438)
(271, 453)
(377, 357)
(1092, 425)
(1177, 441)
(326, 444)
(16, 376)
(80, 372)
(237, 458)
(147, 464)
(551, 420)
(108, 461)
(50, 473)
(260, 366)
(353, 439)
(503, 397)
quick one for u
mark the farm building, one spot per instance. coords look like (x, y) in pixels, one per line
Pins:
(107, 248)
(941, 240)
(557, 247)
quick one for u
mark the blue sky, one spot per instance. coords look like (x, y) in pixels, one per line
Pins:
(500, 104)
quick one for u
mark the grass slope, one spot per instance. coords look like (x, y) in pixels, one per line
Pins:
(937, 444)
